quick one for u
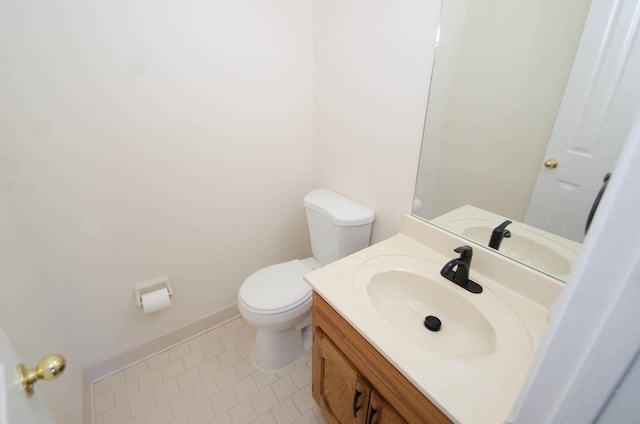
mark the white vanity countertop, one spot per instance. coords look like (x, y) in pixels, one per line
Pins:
(479, 389)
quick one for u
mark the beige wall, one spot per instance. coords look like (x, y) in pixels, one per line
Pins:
(372, 67)
(139, 139)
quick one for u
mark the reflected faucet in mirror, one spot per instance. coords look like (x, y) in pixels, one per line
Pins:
(498, 234)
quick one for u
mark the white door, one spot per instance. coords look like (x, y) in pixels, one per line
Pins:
(594, 119)
(15, 407)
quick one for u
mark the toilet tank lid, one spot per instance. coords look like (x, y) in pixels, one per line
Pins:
(338, 209)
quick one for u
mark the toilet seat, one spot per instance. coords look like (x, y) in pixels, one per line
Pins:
(276, 289)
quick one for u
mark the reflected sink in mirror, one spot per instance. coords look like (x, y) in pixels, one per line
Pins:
(405, 299)
(522, 247)
(546, 252)
(403, 290)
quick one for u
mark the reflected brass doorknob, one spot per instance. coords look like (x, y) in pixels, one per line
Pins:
(551, 163)
(48, 368)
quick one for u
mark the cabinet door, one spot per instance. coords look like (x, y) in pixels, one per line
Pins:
(337, 387)
(380, 412)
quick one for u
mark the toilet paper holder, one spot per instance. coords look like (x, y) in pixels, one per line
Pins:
(150, 286)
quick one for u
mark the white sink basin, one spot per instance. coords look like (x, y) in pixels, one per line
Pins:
(403, 290)
(405, 299)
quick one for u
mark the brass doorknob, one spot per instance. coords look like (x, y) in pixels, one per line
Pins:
(551, 163)
(48, 368)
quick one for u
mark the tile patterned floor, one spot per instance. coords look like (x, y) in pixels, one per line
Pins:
(209, 379)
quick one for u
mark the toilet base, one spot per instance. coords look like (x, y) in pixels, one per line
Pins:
(274, 351)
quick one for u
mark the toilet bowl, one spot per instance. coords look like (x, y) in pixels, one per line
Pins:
(277, 301)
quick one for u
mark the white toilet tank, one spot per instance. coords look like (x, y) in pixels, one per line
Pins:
(337, 226)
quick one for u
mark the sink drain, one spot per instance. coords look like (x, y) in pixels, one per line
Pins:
(432, 323)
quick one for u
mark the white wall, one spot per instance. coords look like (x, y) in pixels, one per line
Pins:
(372, 67)
(138, 139)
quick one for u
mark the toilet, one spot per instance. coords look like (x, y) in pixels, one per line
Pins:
(277, 301)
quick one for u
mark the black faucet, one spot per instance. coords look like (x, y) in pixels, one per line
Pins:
(499, 233)
(457, 270)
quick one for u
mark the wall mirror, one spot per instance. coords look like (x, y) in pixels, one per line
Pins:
(529, 104)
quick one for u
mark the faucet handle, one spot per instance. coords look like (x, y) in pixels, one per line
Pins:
(466, 252)
(503, 227)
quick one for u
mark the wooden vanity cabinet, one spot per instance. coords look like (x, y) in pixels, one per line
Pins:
(344, 395)
(354, 384)
(340, 389)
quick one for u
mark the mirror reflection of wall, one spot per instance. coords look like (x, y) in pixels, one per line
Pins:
(504, 87)
(501, 69)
